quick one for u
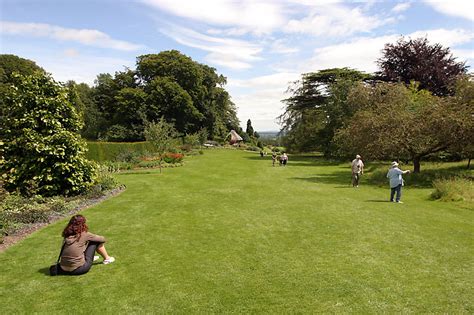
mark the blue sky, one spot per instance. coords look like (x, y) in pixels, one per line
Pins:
(259, 45)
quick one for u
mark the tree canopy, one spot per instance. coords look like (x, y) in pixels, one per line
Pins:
(317, 108)
(433, 66)
(170, 85)
(394, 122)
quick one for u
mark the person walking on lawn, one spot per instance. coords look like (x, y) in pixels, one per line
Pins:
(396, 181)
(357, 170)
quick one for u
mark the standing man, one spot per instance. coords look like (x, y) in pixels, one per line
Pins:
(357, 170)
(396, 181)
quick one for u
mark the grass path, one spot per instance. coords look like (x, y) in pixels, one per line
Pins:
(229, 233)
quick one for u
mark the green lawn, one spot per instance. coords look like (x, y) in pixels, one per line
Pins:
(229, 233)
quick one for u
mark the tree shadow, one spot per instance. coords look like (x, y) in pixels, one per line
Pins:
(378, 200)
(341, 178)
(300, 160)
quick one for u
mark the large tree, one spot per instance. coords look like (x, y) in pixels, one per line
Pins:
(10, 64)
(433, 66)
(317, 107)
(40, 143)
(169, 85)
(393, 121)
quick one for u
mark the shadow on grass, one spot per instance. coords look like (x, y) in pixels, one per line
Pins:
(299, 160)
(424, 179)
(44, 271)
(378, 200)
(341, 178)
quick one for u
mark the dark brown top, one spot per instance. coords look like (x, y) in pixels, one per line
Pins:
(72, 256)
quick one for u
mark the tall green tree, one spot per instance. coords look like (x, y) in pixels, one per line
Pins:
(162, 135)
(168, 99)
(317, 107)
(393, 121)
(40, 142)
(249, 130)
(433, 66)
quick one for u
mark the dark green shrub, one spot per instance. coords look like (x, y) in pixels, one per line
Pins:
(172, 158)
(41, 146)
(128, 156)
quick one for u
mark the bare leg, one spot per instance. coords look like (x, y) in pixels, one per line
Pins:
(102, 251)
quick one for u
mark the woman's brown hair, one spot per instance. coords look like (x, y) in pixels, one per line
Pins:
(76, 226)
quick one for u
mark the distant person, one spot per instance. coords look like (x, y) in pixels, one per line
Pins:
(274, 158)
(396, 181)
(79, 247)
(357, 170)
(284, 159)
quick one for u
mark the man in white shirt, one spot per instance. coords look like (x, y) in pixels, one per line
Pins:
(396, 181)
(357, 170)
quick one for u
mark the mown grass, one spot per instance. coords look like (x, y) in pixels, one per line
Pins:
(229, 233)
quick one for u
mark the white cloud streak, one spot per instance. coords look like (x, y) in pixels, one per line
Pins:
(457, 8)
(87, 37)
(361, 53)
(400, 7)
(254, 16)
(227, 52)
(335, 20)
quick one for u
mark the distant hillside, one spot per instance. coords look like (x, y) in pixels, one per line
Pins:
(268, 134)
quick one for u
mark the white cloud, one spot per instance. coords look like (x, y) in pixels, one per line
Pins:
(458, 8)
(84, 36)
(228, 52)
(261, 101)
(71, 52)
(78, 67)
(277, 80)
(362, 53)
(260, 16)
(400, 7)
(335, 20)
(445, 37)
(280, 47)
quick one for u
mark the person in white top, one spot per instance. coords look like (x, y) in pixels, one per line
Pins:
(357, 170)
(396, 181)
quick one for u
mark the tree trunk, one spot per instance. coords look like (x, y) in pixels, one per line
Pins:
(416, 164)
(469, 163)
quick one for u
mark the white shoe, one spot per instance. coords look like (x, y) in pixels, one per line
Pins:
(96, 257)
(108, 261)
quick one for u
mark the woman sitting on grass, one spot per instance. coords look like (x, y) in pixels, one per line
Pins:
(79, 248)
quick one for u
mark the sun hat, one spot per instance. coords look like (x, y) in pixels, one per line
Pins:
(394, 164)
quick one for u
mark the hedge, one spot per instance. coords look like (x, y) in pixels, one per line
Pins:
(108, 151)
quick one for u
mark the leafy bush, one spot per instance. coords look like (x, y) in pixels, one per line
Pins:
(41, 147)
(128, 156)
(149, 164)
(172, 158)
(16, 211)
(105, 180)
(453, 189)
